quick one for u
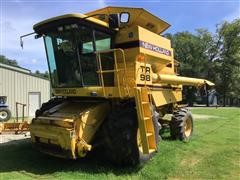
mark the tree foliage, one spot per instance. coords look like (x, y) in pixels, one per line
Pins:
(43, 75)
(228, 63)
(212, 56)
(11, 62)
(7, 61)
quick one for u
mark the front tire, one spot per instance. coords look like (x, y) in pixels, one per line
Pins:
(121, 132)
(181, 125)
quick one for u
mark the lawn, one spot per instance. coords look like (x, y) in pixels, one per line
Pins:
(213, 153)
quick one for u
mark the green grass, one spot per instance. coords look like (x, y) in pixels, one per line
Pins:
(213, 153)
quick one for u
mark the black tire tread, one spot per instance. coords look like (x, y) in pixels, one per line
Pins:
(120, 130)
(178, 122)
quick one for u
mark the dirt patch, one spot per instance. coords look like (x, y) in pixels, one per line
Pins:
(190, 162)
(15, 138)
(205, 117)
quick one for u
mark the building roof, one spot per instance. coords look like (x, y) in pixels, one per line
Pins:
(15, 68)
(20, 70)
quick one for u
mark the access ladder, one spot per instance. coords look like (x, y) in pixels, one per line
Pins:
(146, 127)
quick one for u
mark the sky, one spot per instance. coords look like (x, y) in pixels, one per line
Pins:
(18, 16)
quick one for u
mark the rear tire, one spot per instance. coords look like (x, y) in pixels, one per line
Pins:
(181, 125)
(5, 114)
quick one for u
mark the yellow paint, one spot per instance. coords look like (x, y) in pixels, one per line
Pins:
(76, 137)
(138, 17)
(77, 16)
(165, 96)
(146, 139)
(144, 70)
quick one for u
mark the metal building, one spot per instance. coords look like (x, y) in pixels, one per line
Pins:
(19, 85)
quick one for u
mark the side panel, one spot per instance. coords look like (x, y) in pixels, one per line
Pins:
(67, 130)
(166, 96)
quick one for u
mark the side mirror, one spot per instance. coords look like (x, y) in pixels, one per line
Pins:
(114, 20)
(124, 17)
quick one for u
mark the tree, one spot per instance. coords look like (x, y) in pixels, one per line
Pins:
(11, 62)
(43, 75)
(212, 56)
(7, 61)
(191, 50)
(228, 63)
(37, 72)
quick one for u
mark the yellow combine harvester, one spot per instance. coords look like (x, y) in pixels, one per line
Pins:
(114, 78)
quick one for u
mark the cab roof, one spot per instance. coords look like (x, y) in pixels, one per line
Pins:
(68, 17)
(138, 16)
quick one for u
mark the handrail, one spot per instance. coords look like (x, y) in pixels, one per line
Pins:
(116, 69)
(23, 106)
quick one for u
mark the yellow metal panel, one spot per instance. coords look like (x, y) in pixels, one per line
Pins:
(123, 35)
(79, 16)
(111, 92)
(91, 119)
(178, 80)
(159, 42)
(156, 49)
(165, 96)
(68, 133)
(138, 17)
(143, 74)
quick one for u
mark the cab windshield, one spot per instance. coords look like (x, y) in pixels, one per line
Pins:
(71, 55)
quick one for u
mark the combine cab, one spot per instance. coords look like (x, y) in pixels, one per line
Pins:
(114, 79)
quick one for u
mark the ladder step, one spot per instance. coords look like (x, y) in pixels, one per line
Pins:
(149, 134)
(152, 150)
(110, 71)
(146, 127)
(146, 118)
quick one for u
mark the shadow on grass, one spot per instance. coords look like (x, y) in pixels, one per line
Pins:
(21, 156)
(165, 134)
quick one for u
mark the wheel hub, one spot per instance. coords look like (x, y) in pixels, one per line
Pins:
(188, 128)
(3, 115)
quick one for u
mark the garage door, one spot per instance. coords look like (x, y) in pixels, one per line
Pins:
(34, 99)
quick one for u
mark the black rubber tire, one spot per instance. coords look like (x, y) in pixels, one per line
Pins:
(48, 105)
(120, 130)
(6, 110)
(156, 124)
(177, 125)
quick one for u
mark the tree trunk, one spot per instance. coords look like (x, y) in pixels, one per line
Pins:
(207, 103)
(230, 101)
(224, 99)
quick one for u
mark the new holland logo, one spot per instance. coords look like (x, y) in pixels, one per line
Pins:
(65, 91)
(154, 48)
